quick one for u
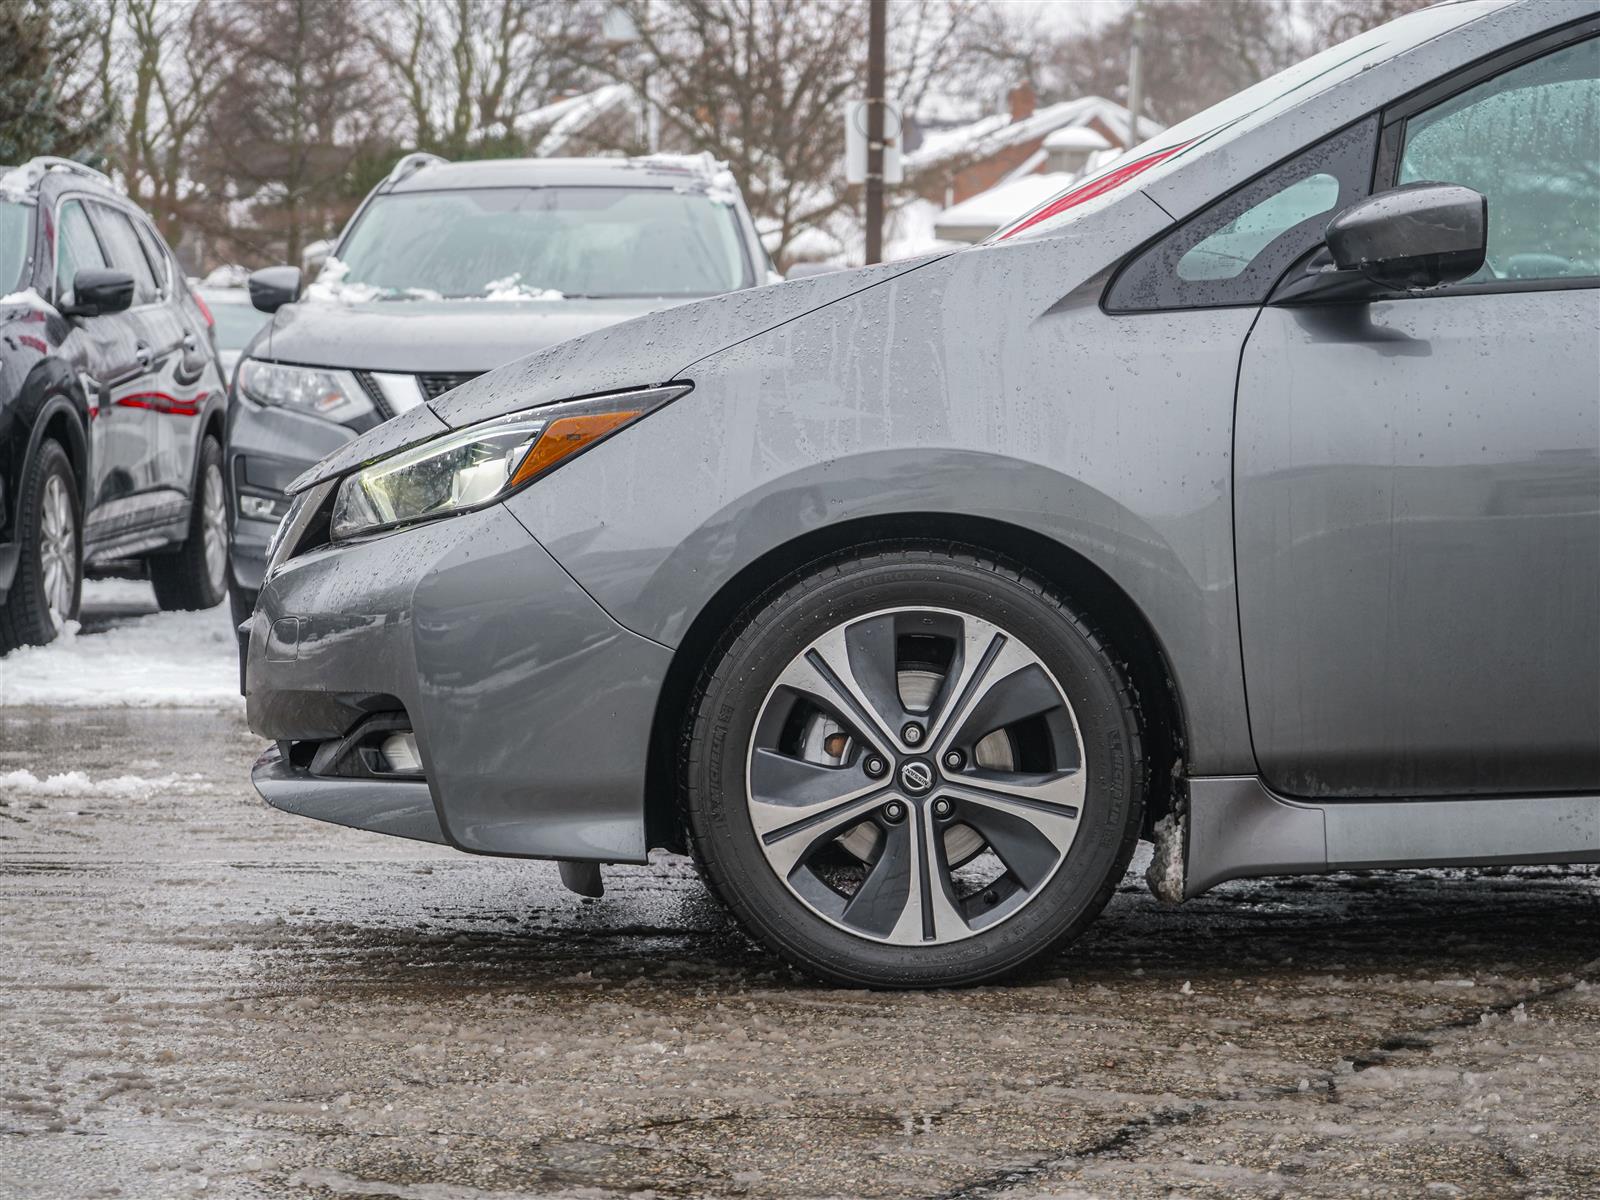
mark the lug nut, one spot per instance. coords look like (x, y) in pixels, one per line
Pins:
(954, 760)
(911, 734)
(942, 807)
(875, 766)
(894, 812)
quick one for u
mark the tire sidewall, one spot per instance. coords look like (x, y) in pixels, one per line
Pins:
(51, 460)
(782, 630)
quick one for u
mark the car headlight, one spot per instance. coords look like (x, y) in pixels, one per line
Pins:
(332, 395)
(483, 463)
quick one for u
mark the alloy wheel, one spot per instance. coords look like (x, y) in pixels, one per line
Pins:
(915, 775)
(58, 550)
(214, 525)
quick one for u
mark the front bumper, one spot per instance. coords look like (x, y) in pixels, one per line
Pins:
(532, 708)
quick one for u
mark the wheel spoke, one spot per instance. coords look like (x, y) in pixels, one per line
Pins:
(987, 663)
(1030, 826)
(906, 896)
(790, 833)
(1014, 688)
(825, 673)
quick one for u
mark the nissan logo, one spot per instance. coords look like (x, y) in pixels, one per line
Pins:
(916, 776)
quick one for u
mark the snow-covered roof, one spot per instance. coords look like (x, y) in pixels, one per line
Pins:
(1076, 137)
(562, 120)
(989, 135)
(976, 217)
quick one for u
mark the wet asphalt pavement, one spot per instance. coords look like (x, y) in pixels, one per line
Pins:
(203, 996)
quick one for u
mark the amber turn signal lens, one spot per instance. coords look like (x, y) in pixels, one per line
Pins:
(564, 437)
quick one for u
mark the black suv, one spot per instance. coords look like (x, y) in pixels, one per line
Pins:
(111, 404)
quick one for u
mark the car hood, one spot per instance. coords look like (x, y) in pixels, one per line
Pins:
(426, 336)
(651, 349)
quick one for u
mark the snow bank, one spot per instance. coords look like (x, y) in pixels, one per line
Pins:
(76, 783)
(163, 660)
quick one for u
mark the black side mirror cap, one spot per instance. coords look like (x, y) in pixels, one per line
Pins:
(273, 287)
(1417, 236)
(98, 291)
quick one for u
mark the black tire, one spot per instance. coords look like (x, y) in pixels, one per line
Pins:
(771, 637)
(196, 574)
(27, 617)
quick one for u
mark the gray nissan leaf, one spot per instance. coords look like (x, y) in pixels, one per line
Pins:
(1244, 498)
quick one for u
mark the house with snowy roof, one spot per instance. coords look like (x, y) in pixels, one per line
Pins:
(985, 173)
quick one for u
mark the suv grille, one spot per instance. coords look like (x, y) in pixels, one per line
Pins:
(434, 386)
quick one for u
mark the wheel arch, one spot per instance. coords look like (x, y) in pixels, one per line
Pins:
(1125, 628)
(49, 405)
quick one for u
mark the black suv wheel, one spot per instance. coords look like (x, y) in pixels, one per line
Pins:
(196, 575)
(45, 591)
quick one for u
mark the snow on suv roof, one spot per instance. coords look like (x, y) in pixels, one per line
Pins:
(657, 170)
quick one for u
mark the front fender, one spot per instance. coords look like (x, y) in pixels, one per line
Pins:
(989, 384)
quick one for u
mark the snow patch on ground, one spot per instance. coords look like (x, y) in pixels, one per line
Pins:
(163, 660)
(76, 783)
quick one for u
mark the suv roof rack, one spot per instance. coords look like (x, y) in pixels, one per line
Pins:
(411, 164)
(52, 162)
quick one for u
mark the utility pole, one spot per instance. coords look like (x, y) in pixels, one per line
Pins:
(876, 17)
(1136, 76)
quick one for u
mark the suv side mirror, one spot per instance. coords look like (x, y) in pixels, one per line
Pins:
(273, 287)
(1420, 235)
(97, 291)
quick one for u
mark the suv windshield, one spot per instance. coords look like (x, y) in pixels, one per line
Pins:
(539, 244)
(13, 242)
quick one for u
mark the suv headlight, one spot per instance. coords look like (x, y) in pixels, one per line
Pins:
(483, 463)
(331, 395)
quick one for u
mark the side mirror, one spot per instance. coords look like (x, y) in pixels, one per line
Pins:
(97, 291)
(273, 287)
(1417, 236)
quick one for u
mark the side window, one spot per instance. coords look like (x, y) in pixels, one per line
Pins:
(122, 244)
(77, 248)
(1529, 140)
(160, 261)
(1235, 251)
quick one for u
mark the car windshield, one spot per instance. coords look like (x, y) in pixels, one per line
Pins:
(13, 242)
(539, 244)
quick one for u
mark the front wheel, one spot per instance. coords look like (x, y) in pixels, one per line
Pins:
(49, 578)
(196, 575)
(913, 768)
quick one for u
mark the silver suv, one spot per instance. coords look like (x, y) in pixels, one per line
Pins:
(448, 270)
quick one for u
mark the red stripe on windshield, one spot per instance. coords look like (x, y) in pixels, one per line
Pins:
(1095, 187)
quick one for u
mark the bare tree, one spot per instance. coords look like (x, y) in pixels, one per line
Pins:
(175, 63)
(1198, 52)
(763, 85)
(298, 116)
(465, 70)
